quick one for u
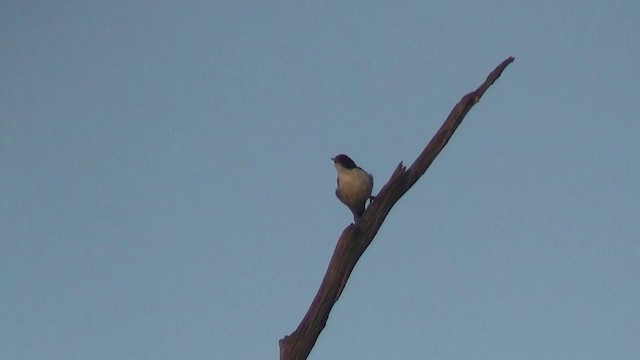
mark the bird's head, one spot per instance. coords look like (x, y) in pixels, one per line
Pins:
(344, 161)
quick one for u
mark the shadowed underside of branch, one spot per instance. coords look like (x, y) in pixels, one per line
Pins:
(356, 238)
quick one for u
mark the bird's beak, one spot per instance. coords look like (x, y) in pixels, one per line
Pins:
(334, 159)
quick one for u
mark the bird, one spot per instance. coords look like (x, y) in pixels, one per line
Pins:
(354, 185)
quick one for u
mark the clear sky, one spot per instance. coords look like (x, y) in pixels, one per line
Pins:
(166, 187)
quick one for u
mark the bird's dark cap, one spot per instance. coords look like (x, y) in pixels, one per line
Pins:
(345, 161)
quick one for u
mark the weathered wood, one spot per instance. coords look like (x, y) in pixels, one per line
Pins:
(356, 238)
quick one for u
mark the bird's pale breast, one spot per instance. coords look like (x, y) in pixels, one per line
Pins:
(354, 186)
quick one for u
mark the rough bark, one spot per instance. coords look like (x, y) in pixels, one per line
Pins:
(357, 237)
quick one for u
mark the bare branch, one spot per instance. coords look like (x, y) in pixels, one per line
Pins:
(356, 238)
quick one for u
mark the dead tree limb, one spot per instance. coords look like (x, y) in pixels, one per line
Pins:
(356, 238)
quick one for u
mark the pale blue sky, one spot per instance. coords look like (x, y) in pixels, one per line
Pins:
(167, 188)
